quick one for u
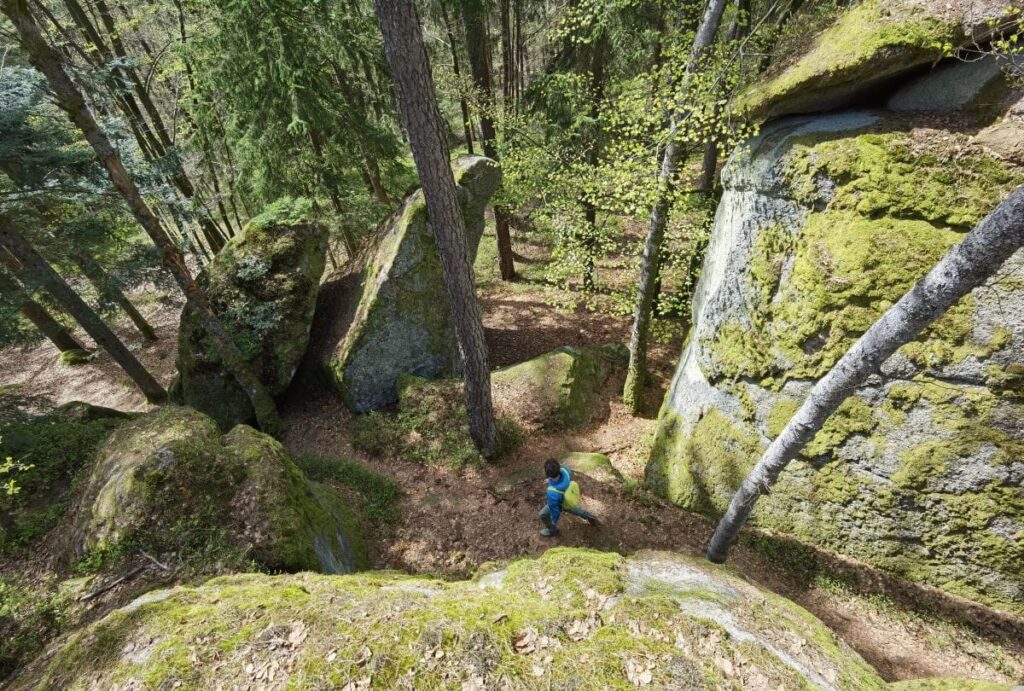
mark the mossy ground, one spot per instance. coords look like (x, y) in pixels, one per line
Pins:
(571, 618)
(429, 426)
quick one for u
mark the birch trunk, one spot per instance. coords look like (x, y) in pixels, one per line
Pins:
(637, 371)
(977, 257)
(417, 104)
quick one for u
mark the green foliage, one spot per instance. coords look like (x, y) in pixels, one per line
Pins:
(49, 455)
(29, 617)
(380, 494)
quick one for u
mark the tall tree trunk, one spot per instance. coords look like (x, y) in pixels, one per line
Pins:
(39, 316)
(92, 270)
(636, 373)
(965, 267)
(467, 125)
(70, 99)
(473, 17)
(417, 104)
(598, 59)
(40, 270)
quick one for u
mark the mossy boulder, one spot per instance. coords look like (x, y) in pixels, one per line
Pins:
(263, 285)
(869, 45)
(556, 390)
(825, 222)
(170, 482)
(569, 619)
(394, 316)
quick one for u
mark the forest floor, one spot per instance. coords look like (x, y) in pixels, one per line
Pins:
(451, 521)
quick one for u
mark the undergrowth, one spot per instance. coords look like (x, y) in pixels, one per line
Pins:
(380, 494)
(429, 427)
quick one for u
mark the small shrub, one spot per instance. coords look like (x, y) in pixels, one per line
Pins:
(28, 619)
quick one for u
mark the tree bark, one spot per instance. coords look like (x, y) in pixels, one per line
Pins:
(467, 126)
(637, 370)
(40, 270)
(70, 99)
(417, 104)
(965, 267)
(92, 270)
(473, 16)
(39, 316)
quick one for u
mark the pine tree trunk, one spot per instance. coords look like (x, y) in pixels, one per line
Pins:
(473, 16)
(39, 316)
(50, 280)
(70, 99)
(417, 104)
(467, 125)
(965, 267)
(92, 270)
(637, 370)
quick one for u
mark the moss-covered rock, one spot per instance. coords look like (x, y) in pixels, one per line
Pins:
(263, 285)
(558, 389)
(825, 222)
(170, 482)
(870, 44)
(570, 619)
(400, 322)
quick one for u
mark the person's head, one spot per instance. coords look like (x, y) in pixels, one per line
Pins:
(552, 468)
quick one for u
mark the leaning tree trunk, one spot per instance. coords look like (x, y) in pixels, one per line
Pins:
(92, 270)
(473, 15)
(39, 316)
(40, 270)
(637, 371)
(70, 99)
(417, 104)
(977, 257)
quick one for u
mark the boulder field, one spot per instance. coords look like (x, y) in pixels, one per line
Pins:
(826, 219)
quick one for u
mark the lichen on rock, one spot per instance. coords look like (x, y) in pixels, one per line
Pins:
(170, 482)
(263, 285)
(825, 222)
(400, 320)
(571, 618)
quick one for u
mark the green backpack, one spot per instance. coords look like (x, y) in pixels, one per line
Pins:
(571, 496)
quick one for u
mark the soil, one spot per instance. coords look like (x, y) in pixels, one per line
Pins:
(451, 522)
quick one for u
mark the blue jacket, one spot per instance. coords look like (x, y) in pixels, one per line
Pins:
(555, 497)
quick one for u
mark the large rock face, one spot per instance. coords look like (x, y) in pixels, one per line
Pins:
(264, 286)
(169, 481)
(401, 323)
(826, 220)
(570, 619)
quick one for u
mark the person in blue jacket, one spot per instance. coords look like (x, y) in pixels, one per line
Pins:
(558, 480)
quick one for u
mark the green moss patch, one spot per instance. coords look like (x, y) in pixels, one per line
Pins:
(570, 618)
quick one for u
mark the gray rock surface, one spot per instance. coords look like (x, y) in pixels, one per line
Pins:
(387, 313)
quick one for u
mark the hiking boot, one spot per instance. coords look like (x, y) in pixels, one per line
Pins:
(594, 521)
(548, 532)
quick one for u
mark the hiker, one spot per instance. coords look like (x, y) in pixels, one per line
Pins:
(563, 495)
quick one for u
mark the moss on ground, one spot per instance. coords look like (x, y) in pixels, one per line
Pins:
(572, 618)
